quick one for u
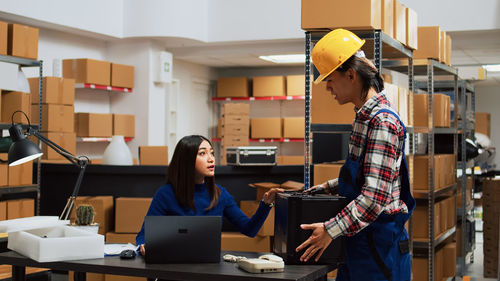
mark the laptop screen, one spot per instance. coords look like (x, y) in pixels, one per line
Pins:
(183, 239)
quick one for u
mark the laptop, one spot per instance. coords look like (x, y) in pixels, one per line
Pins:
(182, 239)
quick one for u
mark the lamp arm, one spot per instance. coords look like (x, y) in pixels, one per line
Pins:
(70, 157)
(71, 200)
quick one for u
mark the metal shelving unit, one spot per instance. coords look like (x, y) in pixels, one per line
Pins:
(15, 192)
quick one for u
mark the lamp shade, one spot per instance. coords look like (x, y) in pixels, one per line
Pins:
(21, 150)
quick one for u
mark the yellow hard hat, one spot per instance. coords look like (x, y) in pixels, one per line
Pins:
(333, 50)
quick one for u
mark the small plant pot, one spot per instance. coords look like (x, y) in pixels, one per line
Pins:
(93, 228)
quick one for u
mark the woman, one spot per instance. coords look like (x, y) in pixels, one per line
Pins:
(374, 177)
(191, 190)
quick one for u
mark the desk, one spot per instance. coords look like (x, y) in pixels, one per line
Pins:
(137, 267)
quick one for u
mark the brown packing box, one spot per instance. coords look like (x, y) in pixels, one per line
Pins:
(443, 215)
(235, 109)
(387, 14)
(122, 75)
(153, 155)
(22, 41)
(483, 121)
(4, 170)
(120, 238)
(3, 38)
(449, 263)
(326, 110)
(64, 140)
(268, 86)
(89, 276)
(420, 267)
(21, 174)
(266, 128)
(399, 22)
(429, 40)
(87, 71)
(242, 120)
(124, 125)
(228, 141)
(293, 127)
(103, 208)
(447, 59)
(55, 90)
(452, 212)
(20, 208)
(94, 124)
(3, 210)
(441, 110)
(67, 90)
(354, 14)
(231, 241)
(295, 85)
(130, 213)
(420, 172)
(263, 187)
(292, 185)
(325, 172)
(56, 117)
(290, 160)
(233, 87)
(13, 101)
(420, 218)
(219, 128)
(236, 130)
(411, 29)
(112, 277)
(442, 46)
(249, 207)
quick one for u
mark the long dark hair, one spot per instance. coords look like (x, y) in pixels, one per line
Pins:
(370, 76)
(181, 172)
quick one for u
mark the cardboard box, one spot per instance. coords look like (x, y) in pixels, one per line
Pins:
(64, 140)
(387, 14)
(21, 174)
(13, 101)
(421, 218)
(3, 38)
(293, 127)
(103, 208)
(442, 46)
(153, 155)
(219, 128)
(67, 90)
(4, 170)
(228, 141)
(325, 172)
(421, 175)
(443, 215)
(122, 75)
(120, 238)
(22, 41)
(429, 40)
(403, 104)
(94, 124)
(112, 277)
(240, 120)
(263, 187)
(242, 131)
(124, 125)
(290, 160)
(232, 241)
(447, 59)
(326, 110)
(399, 22)
(441, 110)
(268, 86)
(452, 212)
(87, 71)
(296, 85)
(355, 14)
(266, 128)
(233, 87)
(55, 90)
(89, 276)
(411, 29)
(240, 109)
(3, 210)
(56, 117)
(249, 207)
(483, 121)
(130, 213)
(292, 185)
(20, 208)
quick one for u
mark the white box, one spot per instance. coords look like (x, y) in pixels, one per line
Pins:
(57, 243)
(30, 223)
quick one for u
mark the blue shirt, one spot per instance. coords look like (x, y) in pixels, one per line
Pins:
(165, 204)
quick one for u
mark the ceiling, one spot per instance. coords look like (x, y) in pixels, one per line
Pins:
(469, 48)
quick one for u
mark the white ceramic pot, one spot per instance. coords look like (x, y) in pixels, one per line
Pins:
(117, 152)
(93, 228)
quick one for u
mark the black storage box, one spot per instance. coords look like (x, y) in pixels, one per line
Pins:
(296, 208)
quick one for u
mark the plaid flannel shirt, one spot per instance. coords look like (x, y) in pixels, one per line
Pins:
(382, 160)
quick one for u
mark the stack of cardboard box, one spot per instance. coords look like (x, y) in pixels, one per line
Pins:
(129, 216)
(483, 123)
(57, 105)
(235, 126)
(153, 155)
(15, 209)
(441, 110)
(444, 264)
(103, 208)
(491, 214)
(99, 72)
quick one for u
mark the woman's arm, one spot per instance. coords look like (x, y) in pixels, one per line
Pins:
(158, 207)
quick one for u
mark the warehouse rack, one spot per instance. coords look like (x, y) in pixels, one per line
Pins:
(96, 139)
(28, 191)
(265, 140)
(258, 98)
(102, 87)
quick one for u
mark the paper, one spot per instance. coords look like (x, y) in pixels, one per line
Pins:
(116, 249)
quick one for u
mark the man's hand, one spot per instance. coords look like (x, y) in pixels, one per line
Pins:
(143, 250)
(316, 243)
(320, 188)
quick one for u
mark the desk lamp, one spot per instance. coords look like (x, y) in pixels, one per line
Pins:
(23, 150)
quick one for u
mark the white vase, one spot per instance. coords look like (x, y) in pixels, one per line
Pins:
(117, 152)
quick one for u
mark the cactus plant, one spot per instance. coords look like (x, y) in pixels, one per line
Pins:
(84, 215)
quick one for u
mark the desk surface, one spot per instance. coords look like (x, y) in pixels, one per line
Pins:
(137, 267)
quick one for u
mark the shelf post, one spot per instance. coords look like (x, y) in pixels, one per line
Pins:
(307, 112)
(430, 148)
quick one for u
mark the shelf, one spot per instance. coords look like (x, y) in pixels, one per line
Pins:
(331, 128)
(11, 190)
(92, 139)
(422, 243)
(265, 140)
(260, 98)
(419, 67)
(6, 126)
(102, 87)
(437, 130)
(422, 194)
(20, 61)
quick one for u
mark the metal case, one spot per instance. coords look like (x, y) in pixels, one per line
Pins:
(251, 156)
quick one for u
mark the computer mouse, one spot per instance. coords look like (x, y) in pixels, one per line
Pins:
(271, 257)
(127, 254)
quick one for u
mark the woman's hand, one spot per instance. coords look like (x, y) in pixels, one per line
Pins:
(143, 250)
(316, 243)
(269, 196)
(320, 188)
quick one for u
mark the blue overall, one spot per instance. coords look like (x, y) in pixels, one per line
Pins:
(381, 250)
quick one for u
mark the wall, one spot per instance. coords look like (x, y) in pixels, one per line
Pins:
(487, 101)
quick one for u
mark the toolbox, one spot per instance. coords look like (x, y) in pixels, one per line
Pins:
(296, 208)
(251, 156)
